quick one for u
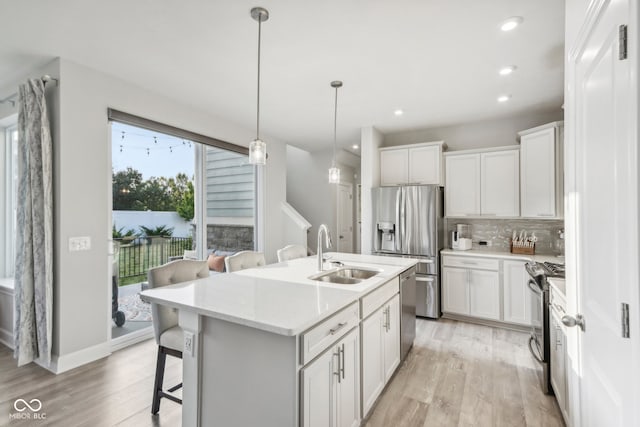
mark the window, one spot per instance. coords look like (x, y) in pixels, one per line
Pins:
(8, 200)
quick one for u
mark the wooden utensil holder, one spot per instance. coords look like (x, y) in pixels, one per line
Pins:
(523, 250)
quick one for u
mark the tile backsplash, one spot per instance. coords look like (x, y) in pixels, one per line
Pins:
(498, 233)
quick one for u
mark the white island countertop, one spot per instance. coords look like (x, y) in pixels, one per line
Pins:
(278, 298)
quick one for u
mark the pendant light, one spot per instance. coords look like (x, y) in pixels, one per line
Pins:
(334, 172)
(258, 148)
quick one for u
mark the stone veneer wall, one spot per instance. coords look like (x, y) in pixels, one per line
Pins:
(233, 238)
(499, 232)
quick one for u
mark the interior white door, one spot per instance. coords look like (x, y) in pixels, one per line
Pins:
(604, 145)
(345, 218)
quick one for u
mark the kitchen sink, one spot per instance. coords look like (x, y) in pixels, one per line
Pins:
(345, 275)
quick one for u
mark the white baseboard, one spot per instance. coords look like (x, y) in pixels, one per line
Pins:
(6, 338)
(131, 338)
(60, 364)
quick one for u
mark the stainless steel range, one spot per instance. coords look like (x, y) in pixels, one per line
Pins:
(539, 339)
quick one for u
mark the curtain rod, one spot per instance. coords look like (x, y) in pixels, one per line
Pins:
(12, 98)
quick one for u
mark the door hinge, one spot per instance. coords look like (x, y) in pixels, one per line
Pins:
(622, 42)
(625, 320)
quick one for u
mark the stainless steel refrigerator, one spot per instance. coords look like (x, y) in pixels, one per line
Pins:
(407, 222)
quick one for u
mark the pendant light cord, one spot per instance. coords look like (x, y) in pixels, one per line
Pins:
(258, 100)
(335, 126)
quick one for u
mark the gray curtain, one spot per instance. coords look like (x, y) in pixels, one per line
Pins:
(33, 297)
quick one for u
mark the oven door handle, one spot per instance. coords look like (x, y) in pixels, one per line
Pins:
(535, 355)
(534, 287)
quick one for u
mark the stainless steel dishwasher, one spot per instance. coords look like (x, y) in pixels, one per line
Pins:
(408, 313)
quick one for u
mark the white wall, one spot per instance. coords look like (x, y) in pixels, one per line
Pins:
(482, 134)
(134, 219)
(309, 191)
(371, 140)
(82, 186)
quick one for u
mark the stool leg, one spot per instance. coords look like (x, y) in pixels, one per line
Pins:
(157, 387)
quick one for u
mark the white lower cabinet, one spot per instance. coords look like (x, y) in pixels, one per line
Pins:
(455, 290)
(380, 350)
(331, 386)
(558, 362)
(517, 296)
(484, 294)
(471, 292)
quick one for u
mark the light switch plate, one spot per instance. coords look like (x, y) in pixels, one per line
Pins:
(188, 343)
(79, 243)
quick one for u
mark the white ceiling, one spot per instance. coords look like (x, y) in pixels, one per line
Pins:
(438, 60)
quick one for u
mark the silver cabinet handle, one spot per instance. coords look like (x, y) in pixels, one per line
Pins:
(469, 262)
(341, 351)
(335, 329)
(338, 373)
(571, 321)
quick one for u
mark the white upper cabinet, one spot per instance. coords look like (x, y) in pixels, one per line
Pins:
(462, 192)
(500, 183)
(482, 183)
(412, 164)
(541, 180)
(394, 167)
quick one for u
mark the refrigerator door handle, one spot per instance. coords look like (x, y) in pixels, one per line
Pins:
(403, 221)
(399, 232)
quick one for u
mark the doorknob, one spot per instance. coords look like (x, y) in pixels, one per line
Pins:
(571, 321)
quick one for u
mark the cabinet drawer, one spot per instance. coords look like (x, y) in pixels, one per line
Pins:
(471, 262)
(372, 301)
(321, 336)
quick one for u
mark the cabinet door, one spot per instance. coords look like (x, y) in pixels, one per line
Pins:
(391, 337)
(538, 174)
(372, 360)
(557, 341)
(517, 296)
(500, 183)
(455, 290)
(484, 294)
(394, 167)
(425, 165)
(319, 397)
(348, 390)
(462, 192)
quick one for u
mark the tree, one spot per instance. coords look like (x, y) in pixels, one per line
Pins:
(126, 190)
(131, 193)
(185, 205)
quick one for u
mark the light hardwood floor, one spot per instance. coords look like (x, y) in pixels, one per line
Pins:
(457, 374)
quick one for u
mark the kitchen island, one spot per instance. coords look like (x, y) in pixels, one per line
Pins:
(271, 347)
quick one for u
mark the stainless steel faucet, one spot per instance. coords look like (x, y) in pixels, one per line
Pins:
(327, 242)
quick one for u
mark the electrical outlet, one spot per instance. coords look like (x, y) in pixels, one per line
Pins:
(79, 243)
(188, 343)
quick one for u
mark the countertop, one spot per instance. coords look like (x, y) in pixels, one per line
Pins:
(278, 298)
(489, 253)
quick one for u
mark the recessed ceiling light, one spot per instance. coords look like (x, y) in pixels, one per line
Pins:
(505, 71)
(398, 112)
(511, 23)
(355, 146)
(504, 98)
